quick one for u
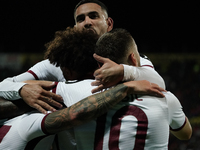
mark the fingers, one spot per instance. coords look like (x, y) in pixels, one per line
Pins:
(45, 104)
(99, 58)
(42, 107)
(39, 108)
(52, 99)
(97, 89)
(157, 91)
(37, 97)
(53, 96)
(96, 83)
(48, 85)
(157, 87)
(97, 74)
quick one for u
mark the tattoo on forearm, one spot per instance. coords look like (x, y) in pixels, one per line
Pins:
(85, 110)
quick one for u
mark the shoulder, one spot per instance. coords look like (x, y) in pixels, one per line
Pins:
(144, 56)
(44, 70)
(45, 64)
(145, 61)
(174, 106)
(77, 84)
(171, 97)
(74, 92)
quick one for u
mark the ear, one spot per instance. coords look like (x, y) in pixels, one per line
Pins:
(110, 23)
(133, 60)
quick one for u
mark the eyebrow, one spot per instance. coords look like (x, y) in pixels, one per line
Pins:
(92, 12)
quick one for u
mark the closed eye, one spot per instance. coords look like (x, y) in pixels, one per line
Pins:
(93, 15)
(80, 18)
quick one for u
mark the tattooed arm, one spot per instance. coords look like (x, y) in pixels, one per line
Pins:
(96, 105)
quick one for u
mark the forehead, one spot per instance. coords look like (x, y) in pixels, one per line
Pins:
(87, 8)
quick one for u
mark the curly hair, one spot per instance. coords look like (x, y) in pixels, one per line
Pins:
(73, 49)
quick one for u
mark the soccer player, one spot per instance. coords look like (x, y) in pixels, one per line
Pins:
(137, 122)
(31, 130)
(142, 119)
(88, 14)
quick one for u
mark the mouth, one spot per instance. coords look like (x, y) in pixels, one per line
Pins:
(92, 30)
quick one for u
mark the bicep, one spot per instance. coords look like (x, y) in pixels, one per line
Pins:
(179, 124)
(185, 132)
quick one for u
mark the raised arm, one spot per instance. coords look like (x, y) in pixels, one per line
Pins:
(112, 73)
(96, 105)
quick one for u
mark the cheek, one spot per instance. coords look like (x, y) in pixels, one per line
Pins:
(79, 26)
(102, 26)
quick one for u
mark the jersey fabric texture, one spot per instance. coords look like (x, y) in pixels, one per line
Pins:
(138, 122)
(44, 70)
(25, 132)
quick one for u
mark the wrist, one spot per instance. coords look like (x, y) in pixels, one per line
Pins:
(121, 72)
(130, 87)
(20, 90)
(128, 73)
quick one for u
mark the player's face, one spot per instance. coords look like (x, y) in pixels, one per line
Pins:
(90, 16)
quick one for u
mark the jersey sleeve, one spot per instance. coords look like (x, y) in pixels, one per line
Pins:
(143, 73)
(9, 88)
(176, 114)
(44, 70)
(32, 126)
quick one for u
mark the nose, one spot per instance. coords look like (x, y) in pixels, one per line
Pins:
(88, 22)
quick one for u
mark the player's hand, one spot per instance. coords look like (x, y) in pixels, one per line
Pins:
(144, 87)
(37, 95)
(108, 75)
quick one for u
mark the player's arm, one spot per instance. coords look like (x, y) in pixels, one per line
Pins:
(37, 95)
(179, 123)
(112, 73)
(10, 109)
(96, 105)
(32, 94)
(185, 133)
(108, 75)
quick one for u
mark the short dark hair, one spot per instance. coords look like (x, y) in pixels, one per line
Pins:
(103, 6)
(114, 45)
(74, 50)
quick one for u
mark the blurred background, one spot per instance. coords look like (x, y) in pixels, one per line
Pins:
(167, 32)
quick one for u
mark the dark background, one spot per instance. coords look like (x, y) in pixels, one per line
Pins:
(167, 32)
(156, 26)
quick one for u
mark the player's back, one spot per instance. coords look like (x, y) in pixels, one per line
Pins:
(135, 123)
